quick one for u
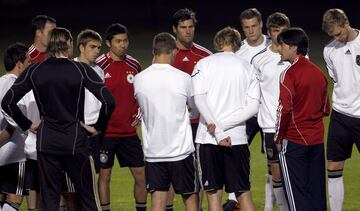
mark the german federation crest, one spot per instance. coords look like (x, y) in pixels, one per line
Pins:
(130, 78)
(358, 60)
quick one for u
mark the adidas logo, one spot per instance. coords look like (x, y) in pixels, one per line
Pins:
(348, 52)
(107, 75)
(185, 59)
(206, 183)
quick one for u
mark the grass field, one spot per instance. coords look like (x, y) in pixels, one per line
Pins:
(140, 48)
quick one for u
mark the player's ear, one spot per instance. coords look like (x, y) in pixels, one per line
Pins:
(38, 33)
(174, 29)
(81, 48)
(108, 43)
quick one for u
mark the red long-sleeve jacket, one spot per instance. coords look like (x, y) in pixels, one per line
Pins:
(303, 103)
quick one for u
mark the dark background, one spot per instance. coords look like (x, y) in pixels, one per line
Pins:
(146, 18)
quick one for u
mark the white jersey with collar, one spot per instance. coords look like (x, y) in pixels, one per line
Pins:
(343, 64)
(163, 92)
(268, 66)
(247, 52)
(14, 149)
(92, 104)
(227, 81)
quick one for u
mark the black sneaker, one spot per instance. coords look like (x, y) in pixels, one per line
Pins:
(229, 205)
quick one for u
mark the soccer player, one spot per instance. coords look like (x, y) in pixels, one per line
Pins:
(216, 80)
(189, 53)
(89, 44)
(12, 154)
(62, 143)
(168, 144)
(269, 66)
(303, 103)
(121, 137)
(342, 57)
(254, 42)
(41, 25)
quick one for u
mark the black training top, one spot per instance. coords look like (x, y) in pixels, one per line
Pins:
(58, 86)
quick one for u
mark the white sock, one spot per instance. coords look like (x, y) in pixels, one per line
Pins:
(336, 193)
(269, 194)
(232, 196)
(280, 197)
(7, 207)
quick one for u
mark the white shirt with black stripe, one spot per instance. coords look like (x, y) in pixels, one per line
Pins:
(247, 51)
(268, 66)
(343, 64)
(13, 150)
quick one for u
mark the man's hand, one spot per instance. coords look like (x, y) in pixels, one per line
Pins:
(6, 134)
(226, 142)
(34, 127)
(211, 128)
(278, 147)
(89, 129)
(136, 121)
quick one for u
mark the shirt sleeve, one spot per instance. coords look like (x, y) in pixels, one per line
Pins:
(329, 65)
(21, 86)
(95, 85)
(284, 111)
(199, 80)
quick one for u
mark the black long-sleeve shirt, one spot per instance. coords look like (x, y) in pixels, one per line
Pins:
(58, 86)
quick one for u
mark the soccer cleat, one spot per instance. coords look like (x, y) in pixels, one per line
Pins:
(229, 205)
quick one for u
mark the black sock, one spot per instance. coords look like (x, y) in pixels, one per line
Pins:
(169, 207)
(140, 206)
(105, 207)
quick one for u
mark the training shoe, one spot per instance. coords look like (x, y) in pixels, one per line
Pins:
(229, 205)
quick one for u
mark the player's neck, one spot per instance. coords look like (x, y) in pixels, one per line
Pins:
(163, 59)
(81, 58)
(255, 43)
(16, 71)
(353, 33)
(40, 47)
(274, 48)
(183, 46)
(117, 58)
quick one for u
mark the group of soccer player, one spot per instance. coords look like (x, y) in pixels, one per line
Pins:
(63, 120)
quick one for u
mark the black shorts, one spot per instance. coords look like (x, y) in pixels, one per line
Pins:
(12, 179)
(181, 174)
(344, 131)
(32, 175)
(252, 128)
(219, 166)
(271, 152)
(194, 127)
(128, 151)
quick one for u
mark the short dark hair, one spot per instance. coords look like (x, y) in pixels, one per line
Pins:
(13, 54)
(277, 19)
(58, 41)
(86, 36)
(163, 43)
(227, 36)
(114, 29)
(39, 21)
(183, 15)
(251, 13)
(295, 37)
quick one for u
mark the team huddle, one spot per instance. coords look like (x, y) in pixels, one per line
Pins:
(64, 119)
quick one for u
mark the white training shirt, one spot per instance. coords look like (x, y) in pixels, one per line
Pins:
(92, 104)
(13, 150)
(162, 92)
(343, 64)
(227, 81)
(247, 52)
(268, 66)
